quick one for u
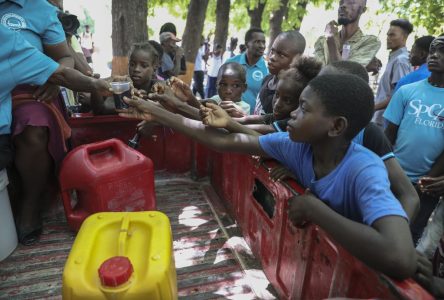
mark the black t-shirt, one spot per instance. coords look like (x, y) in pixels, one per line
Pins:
(279, 125)
(375, 140)
(266, 94)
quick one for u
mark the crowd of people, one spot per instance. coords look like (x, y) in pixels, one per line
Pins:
(372, 164)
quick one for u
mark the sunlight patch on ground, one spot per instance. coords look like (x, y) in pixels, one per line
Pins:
(189, 217)
(240, 289)
(238, 244)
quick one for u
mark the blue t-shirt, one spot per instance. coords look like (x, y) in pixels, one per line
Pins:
(20, 63)
(418, 110)
(255, 75)
(419, 74)
(358, 188)
(36, 20)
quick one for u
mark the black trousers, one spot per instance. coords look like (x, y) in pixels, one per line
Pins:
(427, 205)
(198, 87)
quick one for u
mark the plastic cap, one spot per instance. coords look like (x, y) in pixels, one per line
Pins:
(115, 271)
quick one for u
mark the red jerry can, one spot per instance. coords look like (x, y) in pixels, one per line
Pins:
(105, 176)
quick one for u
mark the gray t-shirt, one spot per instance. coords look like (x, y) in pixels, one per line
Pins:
(397, 67)
(167, 63)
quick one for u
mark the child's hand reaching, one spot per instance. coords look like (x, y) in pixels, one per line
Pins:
(167, 99)
(138, 109)
(232, 109)
(140, 93)
(180, 89)
(280, 173)
(215, 116)
(432, 185)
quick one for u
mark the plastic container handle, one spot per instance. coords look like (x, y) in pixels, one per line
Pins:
(101, 146)
(123, 235)
(66, 197)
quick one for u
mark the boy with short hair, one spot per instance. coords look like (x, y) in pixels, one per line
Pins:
(349, 183)
(415, 118)
(288, 46)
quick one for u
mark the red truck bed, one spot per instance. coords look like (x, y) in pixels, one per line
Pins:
(212, 257)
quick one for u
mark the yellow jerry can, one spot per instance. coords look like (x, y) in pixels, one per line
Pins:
(122, 255)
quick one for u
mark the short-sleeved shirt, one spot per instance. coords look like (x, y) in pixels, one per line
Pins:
(397, 67)
(199, 63)
(75, 45)
(255, 75)
(373, 138)
(264, 100)
(36, 20)
(358, 188)
(215, 62)
(362, 48)
(419, 74)
(166, 64)
(20, 63)
(418, 110)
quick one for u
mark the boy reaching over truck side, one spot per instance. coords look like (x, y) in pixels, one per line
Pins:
(350, 195)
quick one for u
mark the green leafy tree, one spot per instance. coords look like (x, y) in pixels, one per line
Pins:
(87, 21)
(426, 13)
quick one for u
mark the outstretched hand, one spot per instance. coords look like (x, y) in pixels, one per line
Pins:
(167, 99)
(232, 109)
(215, 116)
(432, 185)
(138, 109)
(180, 89)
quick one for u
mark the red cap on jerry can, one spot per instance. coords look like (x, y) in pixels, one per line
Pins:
(115, 271)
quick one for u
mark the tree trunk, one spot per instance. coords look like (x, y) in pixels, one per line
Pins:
(276, 21)
(302, 7)
(193, 33)
(129, 26)
(222, 20)
(256, 14)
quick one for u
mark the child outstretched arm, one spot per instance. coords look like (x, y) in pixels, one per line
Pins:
(384, 244)
(215, 116)
(212, 137)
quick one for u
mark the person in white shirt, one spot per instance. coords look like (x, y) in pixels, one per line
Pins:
(199, 69)
(215, 62)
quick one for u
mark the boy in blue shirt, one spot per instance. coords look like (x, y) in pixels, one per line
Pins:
(349, 194)
(418, 58)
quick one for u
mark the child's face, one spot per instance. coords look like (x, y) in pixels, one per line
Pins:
(140, 67)
(230, 87)
(284, 100)
(309, 123)
(280, 55)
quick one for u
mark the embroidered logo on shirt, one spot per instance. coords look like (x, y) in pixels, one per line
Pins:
(257, 75)
(13, 21)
